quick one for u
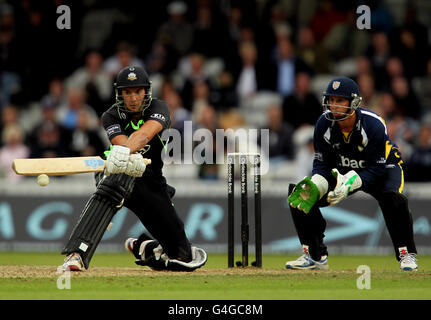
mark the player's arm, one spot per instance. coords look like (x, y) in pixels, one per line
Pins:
(141, 137)
(123, 156)
(311, 189)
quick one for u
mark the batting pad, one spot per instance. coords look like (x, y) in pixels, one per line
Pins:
(97, 214)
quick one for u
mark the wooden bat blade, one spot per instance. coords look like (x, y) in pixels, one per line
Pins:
(60, 166)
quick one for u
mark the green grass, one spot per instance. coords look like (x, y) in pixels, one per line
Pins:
(388, 282)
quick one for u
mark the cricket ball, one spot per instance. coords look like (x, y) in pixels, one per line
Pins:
(42, 180)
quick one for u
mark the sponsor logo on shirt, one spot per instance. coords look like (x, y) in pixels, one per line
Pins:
(158, 116)
(352, 163)
(115, 128)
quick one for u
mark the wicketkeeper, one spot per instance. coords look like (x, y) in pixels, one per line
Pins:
(134, 125)
(352, 152)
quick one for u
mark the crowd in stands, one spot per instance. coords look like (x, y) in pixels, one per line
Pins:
(222, 64)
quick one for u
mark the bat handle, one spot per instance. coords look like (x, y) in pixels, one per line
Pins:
(147, 161)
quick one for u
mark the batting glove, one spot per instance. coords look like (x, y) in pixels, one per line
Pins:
(136, 165)
(117, 160)
(307, 192)
(345, 184)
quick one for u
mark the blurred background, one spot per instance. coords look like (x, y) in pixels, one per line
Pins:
(221, 64)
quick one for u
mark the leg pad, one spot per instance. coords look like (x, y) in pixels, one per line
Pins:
(97, 214)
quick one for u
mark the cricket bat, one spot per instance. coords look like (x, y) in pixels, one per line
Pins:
(60, 166)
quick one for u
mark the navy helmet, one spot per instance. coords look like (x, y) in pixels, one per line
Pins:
(132, 77)
(341, 87)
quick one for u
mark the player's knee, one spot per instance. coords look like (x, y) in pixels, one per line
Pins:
(116, 188)
(393, 199)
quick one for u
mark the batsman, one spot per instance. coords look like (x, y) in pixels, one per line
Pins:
(134, 125)
(352, 152)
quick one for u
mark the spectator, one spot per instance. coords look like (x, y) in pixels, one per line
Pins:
(85, 140)
(393, 68)
(124, 56)
(178, 113)
(301, 107)
(55, 96)
(9, 116)
(224, 95)
(422, 86)
(313, 53)
(363, 67)
(208, 170)
(96, 82)
(247, 77)
(10, 86)
(344, 39)
(378, 53)
(411, 53)
(177, 32)
(13, 148)
(381, 18)
(287, 64)
(418, 166)
(387, 108)
(37, 36)
(412, 45)
(48, 128)
(324, 19)
(9, 47)
(280, 135)
(10, 79)
(67, 114)
(201, 98)
(271, 25)
(235, 18)
(160, 61)
(402, 131)
(406, 101)
(193, 74)
(208, 32)
(370, 98)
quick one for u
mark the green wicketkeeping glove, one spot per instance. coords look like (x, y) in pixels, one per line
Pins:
(305, 195)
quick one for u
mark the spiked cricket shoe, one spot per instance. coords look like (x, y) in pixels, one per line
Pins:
(73, 262)
(130, 242)
(407, 260)
(306, 262)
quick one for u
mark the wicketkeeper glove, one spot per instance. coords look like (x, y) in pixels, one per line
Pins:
(136, 165)
(117, 160)
(345, 184)
(307, 192)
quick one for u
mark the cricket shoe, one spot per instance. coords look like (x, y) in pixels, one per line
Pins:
(130, 242)
(306, 262)
(73, 262)
(407, 260)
